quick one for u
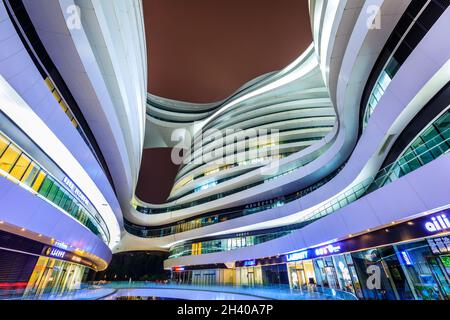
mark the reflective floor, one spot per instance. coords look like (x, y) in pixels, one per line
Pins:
(152, 291)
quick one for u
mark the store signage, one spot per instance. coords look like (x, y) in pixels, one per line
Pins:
(406, 257)
(438, 223)
(326, 250)
(440, 245)
(297, 256)
(77, 192)
(249, 263)
(178, 269)
(421, 227)
(55, 253)
(61, 245)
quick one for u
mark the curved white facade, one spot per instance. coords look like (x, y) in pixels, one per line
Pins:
(347, 53)
(73, 80)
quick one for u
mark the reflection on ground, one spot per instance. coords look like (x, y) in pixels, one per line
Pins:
(155, 291)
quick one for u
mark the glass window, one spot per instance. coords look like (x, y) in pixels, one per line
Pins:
(9, 158)
(30, 174)
(37, 183)
(46, 186)
(20, 167)
(4, 143)
(53, 192)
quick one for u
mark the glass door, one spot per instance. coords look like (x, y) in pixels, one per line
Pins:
(440, 277)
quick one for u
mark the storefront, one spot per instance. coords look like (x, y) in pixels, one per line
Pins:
(301, 274)
(404, 261)
(337, 272)
(30, 268)
(249, 275)
(54, 277)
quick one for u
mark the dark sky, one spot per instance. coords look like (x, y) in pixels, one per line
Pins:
(203, 50)
(156, 176)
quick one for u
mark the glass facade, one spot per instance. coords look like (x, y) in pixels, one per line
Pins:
(416, 270)
(226, 214)
(412, 27)
(54, 277)
(19, 168)
(433, 142)
(221, 245)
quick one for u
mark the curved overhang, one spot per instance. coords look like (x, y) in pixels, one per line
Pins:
(374, 142)
(13, 105)
(104, 67)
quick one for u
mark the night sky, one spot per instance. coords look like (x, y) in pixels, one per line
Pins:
(204, 50)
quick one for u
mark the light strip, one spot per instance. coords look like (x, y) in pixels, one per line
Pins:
(304, 69)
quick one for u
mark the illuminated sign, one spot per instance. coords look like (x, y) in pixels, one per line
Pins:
(55, 253)
(329, 249)
(406, 257)
(178, 269)
(437, 223)
(440, 245)
(296, 256)
(77, 192)
(249, 263)
(61, 245)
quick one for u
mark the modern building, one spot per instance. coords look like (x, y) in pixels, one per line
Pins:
(330, 173)
(72, 87)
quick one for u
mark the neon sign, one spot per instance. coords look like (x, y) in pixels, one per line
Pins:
(178, 269)
(438, 223)
(55, 253)
(329, 249)
(296, 256)
(249, 263)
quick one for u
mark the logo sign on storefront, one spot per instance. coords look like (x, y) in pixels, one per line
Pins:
(326, 250)
(55, 253)
(438, 223)
(440, 245)
(249, 263)
(61, 245)
(77, 192)
(297, 256)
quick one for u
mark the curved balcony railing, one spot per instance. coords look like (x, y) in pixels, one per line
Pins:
(412, 27)
(298, 164)
(224, 215)
(415, 157)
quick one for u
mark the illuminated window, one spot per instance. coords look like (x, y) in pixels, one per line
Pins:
(4, 143)
(37, 183)
(20, 167)
(30, 174)
(9, 157)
